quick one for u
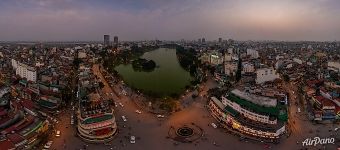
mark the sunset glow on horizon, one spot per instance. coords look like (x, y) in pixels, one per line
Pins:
(170, 20)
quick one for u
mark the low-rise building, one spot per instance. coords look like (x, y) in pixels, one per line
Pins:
(333, 65)
(230, 68)
(247, 67)
(266, 74)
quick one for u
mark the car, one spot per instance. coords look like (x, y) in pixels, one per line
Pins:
(124, 118)
(336, 129)
(116, 104)
(213, 125)
(121, 104)
(160, 116)
(57, 133)
(299, 110)
(132, 139)
(138, 111)
(48, 144)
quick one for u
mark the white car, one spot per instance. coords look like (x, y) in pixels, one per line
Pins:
(124, 118)
(299, 110)
(57, 134)
(116, 104)
(214, 125)
(121, 104)
(48, 144)
(138, 111)
(132, 139)
(160, 116)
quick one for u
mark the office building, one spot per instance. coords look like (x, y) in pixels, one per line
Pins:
(115, 39)
(106, 40)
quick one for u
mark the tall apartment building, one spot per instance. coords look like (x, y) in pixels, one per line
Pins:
(115, 39)
(106, 40)
(24, 70)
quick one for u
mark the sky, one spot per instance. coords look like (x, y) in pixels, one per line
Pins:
(73, 20)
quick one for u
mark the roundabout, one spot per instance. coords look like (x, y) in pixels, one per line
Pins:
(187, 133)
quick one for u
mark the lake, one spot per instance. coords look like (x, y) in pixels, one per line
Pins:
(166, 79)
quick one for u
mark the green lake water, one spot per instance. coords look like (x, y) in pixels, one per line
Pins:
(166, 79)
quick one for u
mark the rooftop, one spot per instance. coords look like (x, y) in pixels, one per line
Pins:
(259, 100)
(279, 111)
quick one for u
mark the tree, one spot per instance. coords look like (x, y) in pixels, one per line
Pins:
(76, 62)
(239, 70)
(286, 78)
(101, 84)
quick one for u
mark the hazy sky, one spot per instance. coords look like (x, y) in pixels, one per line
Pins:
(170, 19)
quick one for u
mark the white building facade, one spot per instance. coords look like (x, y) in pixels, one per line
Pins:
(230, 68)
(24, 71)
(335, 66)
(266, 74)
(253, 53)
(248, 67)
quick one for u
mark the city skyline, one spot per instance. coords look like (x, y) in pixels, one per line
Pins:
(74, 20)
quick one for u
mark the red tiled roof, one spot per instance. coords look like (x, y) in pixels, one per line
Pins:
(337, 99)
(27, 122)
(15, 138)
(337, 109)
(3, 112)
(323, 90)
(8, 130)
(328, 102)
(319, 99)
(6, 144)
(3, 120)
(27, 104)
(324, 101)
(313, 82)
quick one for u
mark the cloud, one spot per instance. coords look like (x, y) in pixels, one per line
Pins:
(172, 20)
